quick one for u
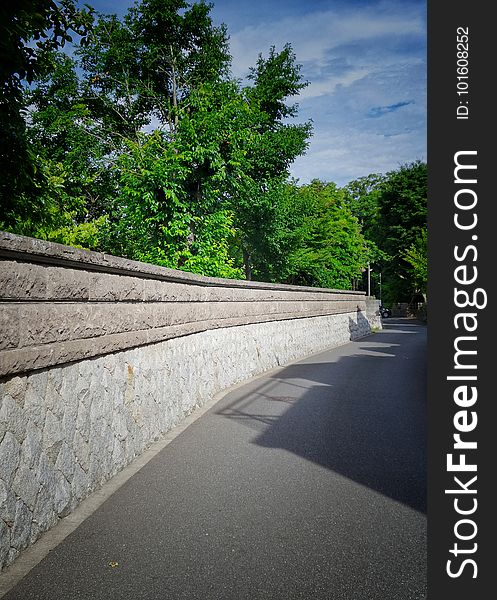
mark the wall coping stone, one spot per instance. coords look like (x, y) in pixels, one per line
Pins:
(27, 249)
(60, 304)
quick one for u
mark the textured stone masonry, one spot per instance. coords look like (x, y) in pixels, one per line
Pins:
(101, 356)
(61, 304)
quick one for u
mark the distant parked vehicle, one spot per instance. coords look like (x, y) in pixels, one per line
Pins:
(385, 312)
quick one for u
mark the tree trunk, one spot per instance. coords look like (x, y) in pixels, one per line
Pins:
(175, 89)
(247, 265)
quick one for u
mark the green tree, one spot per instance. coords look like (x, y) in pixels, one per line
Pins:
(402, 221)
(417, 258)
(29, 29)
(66, 205)
(332, 250)
(224, 157)
(271, 146)
(146, 65)
(154, 219)
(149, 150)
(160, 64)
(362, 198)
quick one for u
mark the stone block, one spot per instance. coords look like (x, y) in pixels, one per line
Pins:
(10, 451)
(131, 288)
(7, 503)
(83, 422)
(44, 514)
(69, 418)
(26, 485)
(31, 447)
(36, 532)
(178, 292)
(21, 530)
(110, 363)
(62, 496)
(165, 314)
(82, 384)
(53, 398)
(22, 281)
(144, 316)
(115, 288)
(67, 284)
(118, 456)
(13, 554)
(153, 290)
(10, 327)
(113, 318)
(4, 543)
(66, 461)
(80, 485)
(46, 473)
(34, 403)
(104, 286)
(45, 323)
(82, 452)
(16, 389)
(53, 436)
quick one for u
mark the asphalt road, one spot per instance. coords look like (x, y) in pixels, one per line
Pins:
(308, 483)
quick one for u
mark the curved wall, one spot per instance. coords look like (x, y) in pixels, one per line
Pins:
(100, 356)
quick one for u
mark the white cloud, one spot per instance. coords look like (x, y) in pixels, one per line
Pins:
(367, 92)
(347, 156)
(328, 85)
(313, 35)
(372, 125)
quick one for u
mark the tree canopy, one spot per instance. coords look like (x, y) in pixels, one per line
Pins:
(29, 31)
(140, 143)
(393, 211)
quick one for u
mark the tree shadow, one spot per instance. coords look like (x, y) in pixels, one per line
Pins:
(362, 415)
(360, 327)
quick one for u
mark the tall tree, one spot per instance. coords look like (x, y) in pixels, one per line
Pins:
(362, 198)
(332, 250)
(416, 257)
(72, 157)
(28, 30)
(402, 222)
(218, 161)
(146, 65)
(273, 144)
(148, 149)
(392, 212)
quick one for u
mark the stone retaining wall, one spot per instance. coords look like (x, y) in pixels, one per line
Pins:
(100, 356)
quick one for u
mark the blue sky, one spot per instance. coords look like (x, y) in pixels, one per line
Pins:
(366, 64)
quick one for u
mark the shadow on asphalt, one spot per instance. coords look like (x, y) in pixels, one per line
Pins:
(362, 416)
